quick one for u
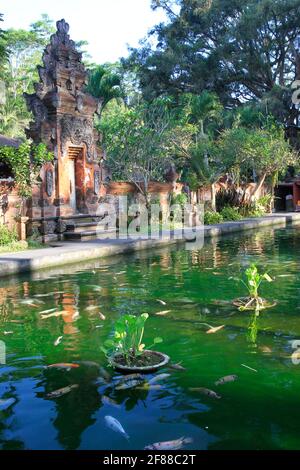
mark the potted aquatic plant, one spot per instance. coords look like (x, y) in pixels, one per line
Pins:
(126, 351)
(253, 281)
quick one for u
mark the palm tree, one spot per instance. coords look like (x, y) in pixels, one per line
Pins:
(3, 48)
(13, 118)
(104, 84)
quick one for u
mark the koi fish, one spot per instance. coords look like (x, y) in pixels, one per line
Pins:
(206, 391)
(8, 332)
(55, 314)
(50, 310)
(6, 403)
(95, 288)
(91, 307)
(148, 386)
(215, 329)
(115, 425)
(163, 312)
(177, 367)
(162, 302)
(102, 317)
(159, 377)
(128, 384)
(58, 341)
(61, 391)
(170, 445)
(128, 377)
(29, 301)
(63, 365)
(226, 379)
(75, 316)
(120, 272)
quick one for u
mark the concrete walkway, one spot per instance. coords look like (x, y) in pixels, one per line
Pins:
(62, 253)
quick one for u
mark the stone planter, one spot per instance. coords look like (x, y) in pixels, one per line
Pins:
(156, 358)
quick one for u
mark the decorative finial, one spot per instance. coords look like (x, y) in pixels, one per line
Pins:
(62, 26)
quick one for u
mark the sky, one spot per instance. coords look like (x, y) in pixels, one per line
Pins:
(108, 25)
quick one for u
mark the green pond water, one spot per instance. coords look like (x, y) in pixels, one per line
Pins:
(260, 410)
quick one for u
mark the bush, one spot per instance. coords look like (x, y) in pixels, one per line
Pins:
(180, 199)
(7, 235)
(231, 213)
(257, 208)
(211, 218)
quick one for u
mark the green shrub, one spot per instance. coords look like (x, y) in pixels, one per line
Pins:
(231, 213)
(7, 235)
(257, 208)
(127, 338)
(211, 218)
(180, 199)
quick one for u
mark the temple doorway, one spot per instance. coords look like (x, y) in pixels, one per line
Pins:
(75, 174)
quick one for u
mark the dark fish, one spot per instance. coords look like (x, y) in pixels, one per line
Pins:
(128, 384)
(158, 377)
(206, 391)
(170, 445)
(226, 379)
(61, 391)
(177, 367)
(215, 329)
(63, 365)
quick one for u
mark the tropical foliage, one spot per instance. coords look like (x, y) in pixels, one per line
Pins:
(25, 162)
(127, 338)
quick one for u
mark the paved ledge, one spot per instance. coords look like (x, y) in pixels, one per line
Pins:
(74, 252)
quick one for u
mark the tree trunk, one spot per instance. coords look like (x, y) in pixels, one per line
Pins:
(254, 194)
(213, 197)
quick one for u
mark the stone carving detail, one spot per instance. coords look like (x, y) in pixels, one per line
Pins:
(49, 182)
(47, 227)
(77, 130)
(61, 226)
(97, 182)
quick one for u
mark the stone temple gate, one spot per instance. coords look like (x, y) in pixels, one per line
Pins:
(63, 119)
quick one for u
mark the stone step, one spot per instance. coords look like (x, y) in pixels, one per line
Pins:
(82, 226)
(79, 217)
(87, 235)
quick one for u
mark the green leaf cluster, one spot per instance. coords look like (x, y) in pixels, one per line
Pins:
(127, 337)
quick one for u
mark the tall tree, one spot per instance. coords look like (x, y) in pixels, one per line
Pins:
(240, 50)
(3, 47)
(105, 84)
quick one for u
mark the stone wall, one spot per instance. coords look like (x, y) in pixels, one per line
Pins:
(9, 203)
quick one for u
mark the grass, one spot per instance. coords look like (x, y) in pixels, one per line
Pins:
(16, 246)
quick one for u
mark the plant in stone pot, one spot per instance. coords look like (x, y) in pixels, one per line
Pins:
(253, 281)
(126, 350)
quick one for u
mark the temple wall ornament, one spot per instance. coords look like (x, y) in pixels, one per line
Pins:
(97, 182)
(49, 182)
